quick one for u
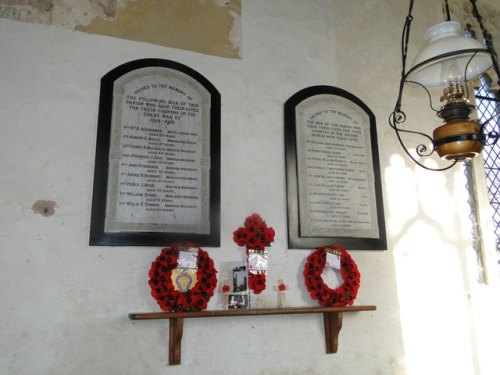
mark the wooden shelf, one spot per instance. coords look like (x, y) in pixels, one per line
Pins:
(332, 322)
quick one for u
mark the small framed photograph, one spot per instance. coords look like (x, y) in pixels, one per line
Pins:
(233, 274)
(238, 301)
(240, 279)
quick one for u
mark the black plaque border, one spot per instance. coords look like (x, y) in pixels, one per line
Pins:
(98, 237)
(295, 241)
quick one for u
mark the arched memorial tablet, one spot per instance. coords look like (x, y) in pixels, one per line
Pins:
(334, 192)
(157, 168)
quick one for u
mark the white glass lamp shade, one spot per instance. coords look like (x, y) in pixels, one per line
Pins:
(448, 57)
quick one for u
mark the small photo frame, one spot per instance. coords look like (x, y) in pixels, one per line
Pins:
(238, 301)
(240, 279)
(235, 274)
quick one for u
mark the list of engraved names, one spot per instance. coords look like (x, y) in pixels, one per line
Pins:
(336, 185)
(159, 156)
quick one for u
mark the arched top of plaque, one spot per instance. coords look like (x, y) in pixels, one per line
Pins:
(157, 166)
(334, 192)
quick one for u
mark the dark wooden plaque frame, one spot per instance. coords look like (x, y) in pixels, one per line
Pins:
(98, 236)
(295, 241)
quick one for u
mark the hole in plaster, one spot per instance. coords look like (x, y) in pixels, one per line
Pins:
(44, 208)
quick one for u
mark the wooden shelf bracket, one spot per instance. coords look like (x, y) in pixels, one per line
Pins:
(332, 323)
(174, 341)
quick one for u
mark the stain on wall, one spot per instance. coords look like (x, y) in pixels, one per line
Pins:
(211, 27)
(27, 10)
(44, 208)
(201, 26)
(41, 5)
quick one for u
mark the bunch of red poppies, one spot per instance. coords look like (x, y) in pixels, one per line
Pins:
(254, 235)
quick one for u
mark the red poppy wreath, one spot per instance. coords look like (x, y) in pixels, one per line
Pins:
(345, 293)
(162, 287)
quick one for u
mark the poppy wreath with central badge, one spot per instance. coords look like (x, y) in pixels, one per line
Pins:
(345, 293)
(162, 287)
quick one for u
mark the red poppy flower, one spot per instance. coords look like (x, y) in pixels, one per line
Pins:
(269, 235)
(253, 219)
(240, 236)
(251, 241)
(262, 241)
(253, 229)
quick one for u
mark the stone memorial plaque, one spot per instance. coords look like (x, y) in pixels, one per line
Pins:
(333, 177)
(157, 176)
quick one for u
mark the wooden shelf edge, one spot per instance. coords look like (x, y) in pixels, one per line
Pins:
(247, 312)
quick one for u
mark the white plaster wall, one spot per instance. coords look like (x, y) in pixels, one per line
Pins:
(64, 305)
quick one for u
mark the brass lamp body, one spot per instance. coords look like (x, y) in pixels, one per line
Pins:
(459, 138)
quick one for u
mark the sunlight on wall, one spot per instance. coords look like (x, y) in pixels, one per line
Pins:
(435, 197)
(400, 184)
(429, 269)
